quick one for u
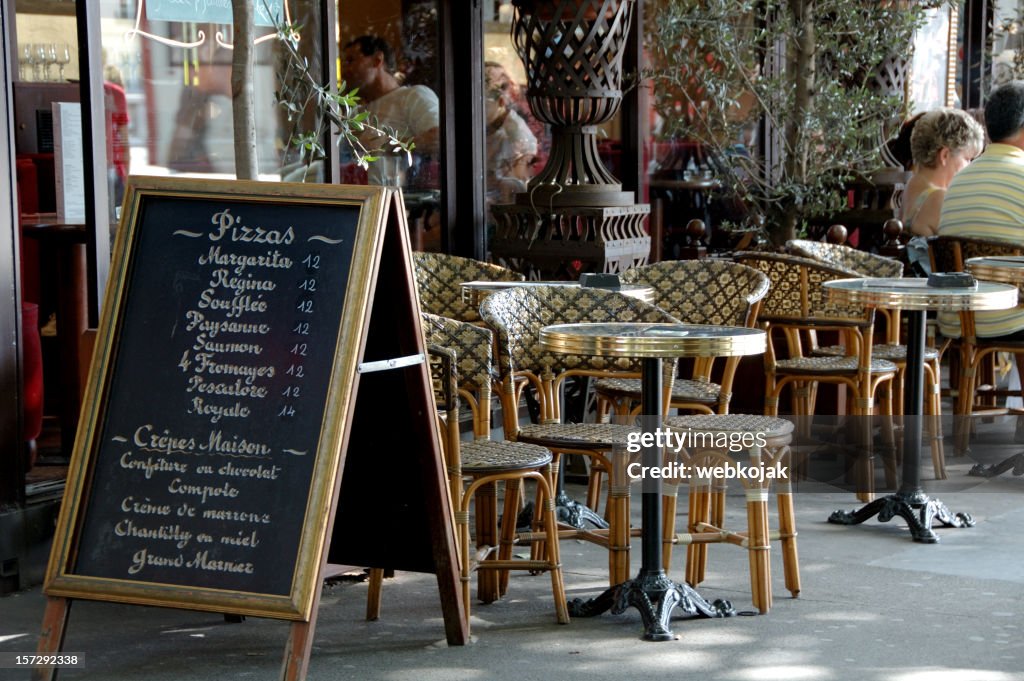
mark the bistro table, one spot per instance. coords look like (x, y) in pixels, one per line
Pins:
(651, 591)
(915, 296)
(1007, 269)
(567, 509)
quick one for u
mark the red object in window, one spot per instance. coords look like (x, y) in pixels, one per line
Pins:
(32, 372)
(116, 105)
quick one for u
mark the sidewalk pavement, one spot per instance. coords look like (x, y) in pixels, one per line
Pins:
(875, 606)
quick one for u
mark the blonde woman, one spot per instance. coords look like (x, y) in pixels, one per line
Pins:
(943, 143)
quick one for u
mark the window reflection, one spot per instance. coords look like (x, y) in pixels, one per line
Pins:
(168, 92)
(389, 50)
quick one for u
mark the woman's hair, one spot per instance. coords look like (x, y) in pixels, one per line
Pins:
(899, 146)
(953, 129)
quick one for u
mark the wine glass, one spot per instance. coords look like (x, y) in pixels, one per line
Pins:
(24, 62)
(42, 59)
(28, 55)
(63, 58)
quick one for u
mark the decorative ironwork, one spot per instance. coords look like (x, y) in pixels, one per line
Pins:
(917, 509)
(655, 596)
(572, 51)
(574, 216)
(1015, 462)
(562, 242)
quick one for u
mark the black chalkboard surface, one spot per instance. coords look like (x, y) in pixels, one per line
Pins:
(207, 463)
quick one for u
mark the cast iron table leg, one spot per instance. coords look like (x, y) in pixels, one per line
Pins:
(651, 591)
(910, 502)
(1014, 463)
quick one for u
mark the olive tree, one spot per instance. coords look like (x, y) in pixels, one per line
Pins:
(806, 70)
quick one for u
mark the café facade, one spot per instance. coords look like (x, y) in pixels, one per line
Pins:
(149, 84)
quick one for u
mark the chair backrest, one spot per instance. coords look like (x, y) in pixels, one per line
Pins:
(438, 279)
(797, 296)
(949, 253)
(441, 361)
(518, 315)
(472, 345)
(705, 291)
(858, 263)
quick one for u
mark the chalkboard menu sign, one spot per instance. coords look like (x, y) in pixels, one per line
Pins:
(208, 459)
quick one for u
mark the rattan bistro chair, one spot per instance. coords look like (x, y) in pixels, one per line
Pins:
(438, 282)
(863, 264)
(439, 278)
(517, 315)
(798, 302)
(703, 291)
(848, 258)
(948, 254)
(482, 464)
(706, 523)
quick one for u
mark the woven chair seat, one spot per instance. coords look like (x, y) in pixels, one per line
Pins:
(683, 389)
(577, 435)
(888, 351)
(771, 427)
(490, 456)
(830, 365)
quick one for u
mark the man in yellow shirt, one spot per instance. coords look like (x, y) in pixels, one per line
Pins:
(986, 200)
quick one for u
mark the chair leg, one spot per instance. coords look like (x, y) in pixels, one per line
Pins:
(699, 512)
(758, 548)
(508, 529)
(552, 550)
(787, 536)
(618, 519)
(886, 409)
(966, 388)
(934, 419)
(670, 492)
(488, 586)
(864, 464)
(594, 482)
(374, 594)
(465, 549)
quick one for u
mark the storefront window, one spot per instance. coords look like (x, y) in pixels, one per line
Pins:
(389, 51)
(167, 81)
(517, 142)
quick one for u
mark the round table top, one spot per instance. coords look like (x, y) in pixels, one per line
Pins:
(474, 292)
(1008, 269)
(637, 339)
(916, 294)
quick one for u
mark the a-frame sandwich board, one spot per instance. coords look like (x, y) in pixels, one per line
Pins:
(255, 338)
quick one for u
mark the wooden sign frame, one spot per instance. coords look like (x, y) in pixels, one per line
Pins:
(379, 302)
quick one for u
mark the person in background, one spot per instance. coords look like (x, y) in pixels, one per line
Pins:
(986, 201)
(511, 145)
(115, 106)
(413, 111)
(943, 142)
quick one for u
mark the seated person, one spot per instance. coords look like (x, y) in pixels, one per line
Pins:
(511, 146)
(986, 201)
(413, 111)
(943, 142)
